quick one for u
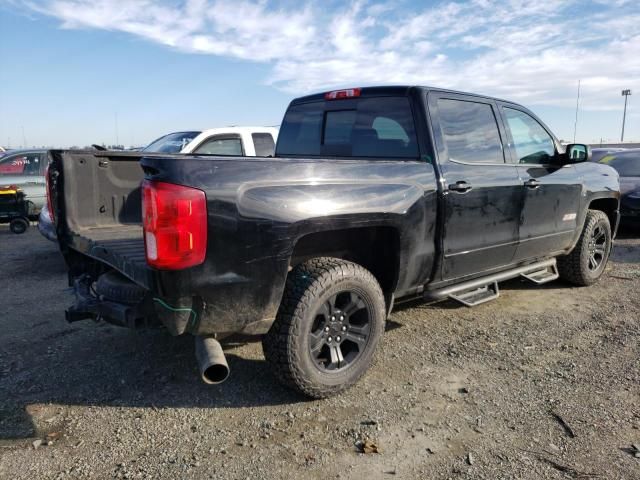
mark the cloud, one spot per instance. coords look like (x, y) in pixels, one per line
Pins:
(533, 52)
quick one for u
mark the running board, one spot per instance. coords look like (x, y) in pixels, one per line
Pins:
(544, 275)
(480, 290)
(476, 296)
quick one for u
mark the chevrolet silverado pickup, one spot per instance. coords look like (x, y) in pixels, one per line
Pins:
(375, 196)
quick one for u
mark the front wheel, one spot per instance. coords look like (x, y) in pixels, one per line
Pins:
(326, 331)
(588, 260)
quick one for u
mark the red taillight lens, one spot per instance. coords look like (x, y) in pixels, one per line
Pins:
(175, 225)
(52, 215)
(339, 94)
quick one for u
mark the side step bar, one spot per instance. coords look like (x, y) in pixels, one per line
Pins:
(480, 290)
(476, 296)
(544, 275)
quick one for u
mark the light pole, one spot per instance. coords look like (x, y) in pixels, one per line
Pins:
(625, 94)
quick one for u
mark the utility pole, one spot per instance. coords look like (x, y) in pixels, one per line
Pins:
(625, 94)
(117, 139)
(575, 124)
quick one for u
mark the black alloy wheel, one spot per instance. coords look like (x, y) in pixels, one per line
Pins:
(597, 247)
(340, 331)
(330, 320)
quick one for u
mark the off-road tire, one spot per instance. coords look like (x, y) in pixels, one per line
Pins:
(19, 225)
(574, 267)
(117, 288)
(286, 346)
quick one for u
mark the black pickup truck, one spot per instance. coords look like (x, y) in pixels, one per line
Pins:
(375, 196)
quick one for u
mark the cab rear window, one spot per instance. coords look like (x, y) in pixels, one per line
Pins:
(378, 127)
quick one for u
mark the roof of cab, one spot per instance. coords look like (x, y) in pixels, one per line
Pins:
(391, 90)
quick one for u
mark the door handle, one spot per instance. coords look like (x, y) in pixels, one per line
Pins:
(460, 187)
(532, 183)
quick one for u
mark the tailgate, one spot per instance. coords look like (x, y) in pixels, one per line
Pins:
(97, 204)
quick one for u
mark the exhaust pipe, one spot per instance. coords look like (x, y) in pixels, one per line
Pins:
(211, 360)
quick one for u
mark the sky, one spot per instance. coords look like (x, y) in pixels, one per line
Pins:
(76, 72)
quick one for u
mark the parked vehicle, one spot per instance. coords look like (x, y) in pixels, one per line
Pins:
(598, 153)
(25, 169)
(228, 141)
(627, 164)
(375, 196)
(14, 208)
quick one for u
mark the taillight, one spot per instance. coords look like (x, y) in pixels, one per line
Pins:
(52, 214)
(175, 225)
(339, 94)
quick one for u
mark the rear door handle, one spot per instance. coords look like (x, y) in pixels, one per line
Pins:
(460, 187)
(532, 183)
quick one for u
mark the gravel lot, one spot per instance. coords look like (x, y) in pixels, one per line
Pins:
(542, 383)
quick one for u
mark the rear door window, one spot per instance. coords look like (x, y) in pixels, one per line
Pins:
(470, 131)
(264, 144)
(376, 127)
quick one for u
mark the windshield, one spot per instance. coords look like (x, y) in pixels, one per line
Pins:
(171, 143)
(380, 127)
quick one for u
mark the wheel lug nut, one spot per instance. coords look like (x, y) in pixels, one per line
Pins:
(344, 329)
(329, 339)
(333, 318)
(326, 329)
(338, 338)
(341, 317)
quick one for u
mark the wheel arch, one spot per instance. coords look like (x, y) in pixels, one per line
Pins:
(376, 248)
(608, 205)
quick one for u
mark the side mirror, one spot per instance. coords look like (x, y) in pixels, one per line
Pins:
(577, 152)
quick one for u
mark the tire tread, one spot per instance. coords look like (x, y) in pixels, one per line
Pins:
(304, 284)
(571, 267)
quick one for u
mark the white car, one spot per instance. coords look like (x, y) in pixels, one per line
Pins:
(229, 141)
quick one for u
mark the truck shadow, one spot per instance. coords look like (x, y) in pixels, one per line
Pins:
(117, 368)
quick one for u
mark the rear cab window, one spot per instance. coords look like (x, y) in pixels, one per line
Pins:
(367, 127)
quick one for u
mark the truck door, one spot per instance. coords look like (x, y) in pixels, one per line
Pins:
(552, 191)
(482, 193)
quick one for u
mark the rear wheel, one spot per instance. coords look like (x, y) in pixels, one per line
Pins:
(326, 331)
(588, 260)
(19, 225)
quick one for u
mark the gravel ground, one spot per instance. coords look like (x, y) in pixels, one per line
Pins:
(543, 383)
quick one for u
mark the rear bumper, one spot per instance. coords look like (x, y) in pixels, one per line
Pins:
(177, 316)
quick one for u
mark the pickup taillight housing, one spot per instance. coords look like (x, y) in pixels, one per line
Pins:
(174, 218)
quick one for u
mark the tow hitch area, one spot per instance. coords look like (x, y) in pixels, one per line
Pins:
(91, 305)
